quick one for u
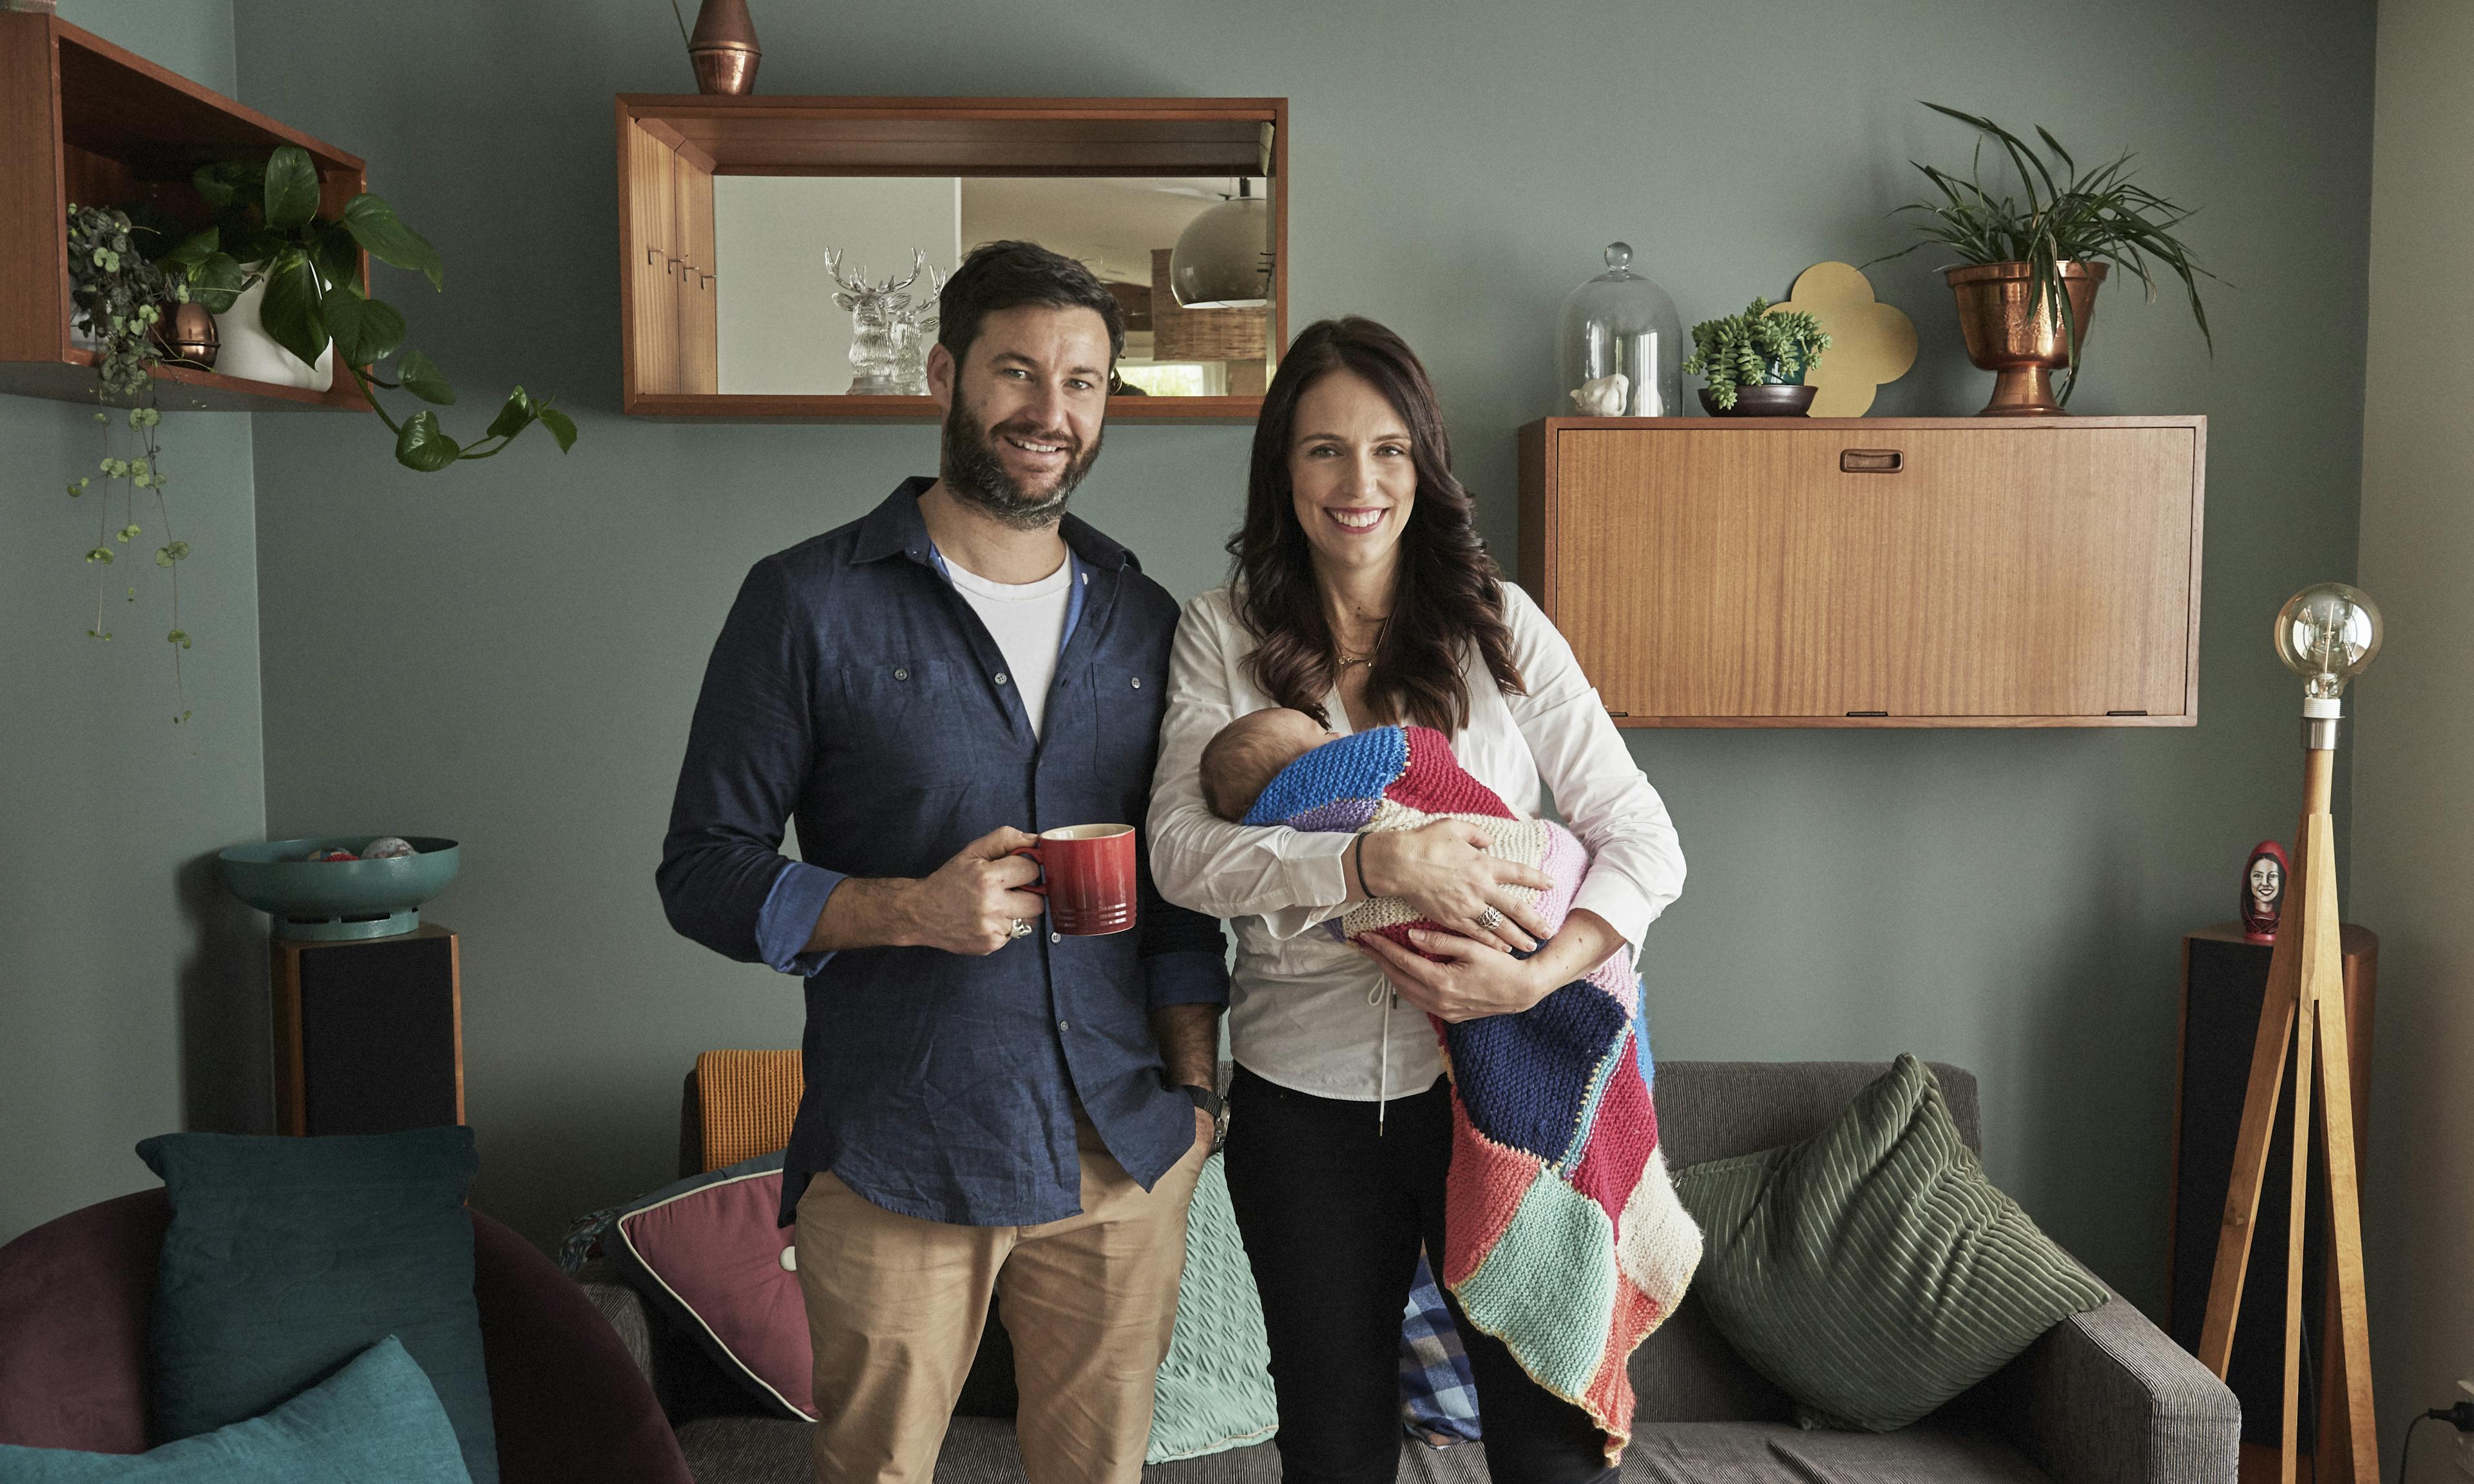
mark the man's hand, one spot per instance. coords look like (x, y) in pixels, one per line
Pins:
(968, 906)
(1205, 1129)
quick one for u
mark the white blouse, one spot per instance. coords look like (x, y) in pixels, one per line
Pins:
(1301, 1010)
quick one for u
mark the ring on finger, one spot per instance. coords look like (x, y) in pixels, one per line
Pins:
(1491, 919)
(1021, 928)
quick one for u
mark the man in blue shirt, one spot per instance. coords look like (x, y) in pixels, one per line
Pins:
(991, 1106)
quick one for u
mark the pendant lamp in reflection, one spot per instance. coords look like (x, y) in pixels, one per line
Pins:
(1222, 259)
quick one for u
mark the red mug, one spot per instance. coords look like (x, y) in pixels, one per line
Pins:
(1088, 877)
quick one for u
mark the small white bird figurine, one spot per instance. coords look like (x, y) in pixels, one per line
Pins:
(1605, 396)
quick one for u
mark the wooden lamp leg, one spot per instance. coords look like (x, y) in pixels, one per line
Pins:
(2306, 991)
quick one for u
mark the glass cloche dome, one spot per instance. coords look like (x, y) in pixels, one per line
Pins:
(1620, 326)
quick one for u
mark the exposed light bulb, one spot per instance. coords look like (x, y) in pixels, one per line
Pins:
(2327, 633)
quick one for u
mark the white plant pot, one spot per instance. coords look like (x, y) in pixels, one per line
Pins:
(251, 353)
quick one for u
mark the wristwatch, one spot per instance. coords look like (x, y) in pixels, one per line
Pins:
(1214, 1104)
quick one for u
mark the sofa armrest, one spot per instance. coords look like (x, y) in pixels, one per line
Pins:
(2106, 1398)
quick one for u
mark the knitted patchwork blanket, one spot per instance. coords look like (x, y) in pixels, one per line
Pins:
(1565, 1238)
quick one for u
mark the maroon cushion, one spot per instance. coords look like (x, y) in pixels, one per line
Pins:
(712, 1257)
(566, 1397)
(76, 1296)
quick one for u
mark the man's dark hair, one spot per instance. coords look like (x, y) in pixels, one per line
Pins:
(1009, 275)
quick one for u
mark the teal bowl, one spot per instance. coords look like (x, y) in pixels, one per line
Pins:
(328, 900)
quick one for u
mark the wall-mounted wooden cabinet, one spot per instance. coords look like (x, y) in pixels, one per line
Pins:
(86, 122)
(1881, 572)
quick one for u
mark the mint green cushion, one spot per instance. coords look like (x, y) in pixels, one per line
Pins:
(376, 1418)
(286, 1258)
(1215, 1388)
(1871, 1271)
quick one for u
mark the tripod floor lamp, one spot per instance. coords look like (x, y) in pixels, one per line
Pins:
(2326, 634)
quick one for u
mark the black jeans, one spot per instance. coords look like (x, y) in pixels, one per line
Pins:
(1333, 1217)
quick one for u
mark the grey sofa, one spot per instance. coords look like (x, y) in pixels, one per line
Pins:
(2103, 1397)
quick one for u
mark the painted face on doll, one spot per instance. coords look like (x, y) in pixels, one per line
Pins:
(2266, 884)
(2264, 880)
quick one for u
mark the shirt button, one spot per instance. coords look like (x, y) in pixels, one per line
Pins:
(901, 674)
(1056, 937)
(1001, 680)
(1061, 1025)
(1138, 683)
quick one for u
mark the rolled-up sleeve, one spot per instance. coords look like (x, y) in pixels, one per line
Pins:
(723, 879)
(1292, 879)
(1636, 861)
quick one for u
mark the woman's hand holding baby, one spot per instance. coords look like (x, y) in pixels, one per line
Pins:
(1445, 871)
(1474, 980)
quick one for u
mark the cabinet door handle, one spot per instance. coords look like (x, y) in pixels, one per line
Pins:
(1870, 461)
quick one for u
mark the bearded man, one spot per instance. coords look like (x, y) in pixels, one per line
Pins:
(991, 1106)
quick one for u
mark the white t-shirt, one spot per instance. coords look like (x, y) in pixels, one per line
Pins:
(1028, 621)
(1300, 1011)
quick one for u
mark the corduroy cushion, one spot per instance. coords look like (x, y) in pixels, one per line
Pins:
(286, 1258)
(1214, 1391)
(1871, 1271)
(377, 1417)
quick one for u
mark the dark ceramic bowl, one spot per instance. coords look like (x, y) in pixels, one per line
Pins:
(1762, 401)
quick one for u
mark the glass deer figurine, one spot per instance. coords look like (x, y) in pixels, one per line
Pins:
(914, 330)
(874, 309)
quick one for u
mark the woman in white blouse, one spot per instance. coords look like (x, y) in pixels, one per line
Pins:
(1363, 597)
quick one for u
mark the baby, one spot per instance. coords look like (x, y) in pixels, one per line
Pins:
(1280, 766)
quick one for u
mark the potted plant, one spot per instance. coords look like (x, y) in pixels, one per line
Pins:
(2028, 270)
(118, 300)
(267, 235)
(1755, 361)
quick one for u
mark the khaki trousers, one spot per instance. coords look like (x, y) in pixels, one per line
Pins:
(895, 1307)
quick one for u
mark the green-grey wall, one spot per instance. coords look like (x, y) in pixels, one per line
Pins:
(129, 999)
(507, 653)
(2414, 828)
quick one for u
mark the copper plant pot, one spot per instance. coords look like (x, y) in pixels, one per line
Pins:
(186, 333)
(725, 49)
(2020, 342)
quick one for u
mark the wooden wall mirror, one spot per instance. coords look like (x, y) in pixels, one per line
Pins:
(742, 219)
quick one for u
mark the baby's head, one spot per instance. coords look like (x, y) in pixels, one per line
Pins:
(1240, 762)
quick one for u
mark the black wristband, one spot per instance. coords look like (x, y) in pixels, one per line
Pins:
(1205, 1098)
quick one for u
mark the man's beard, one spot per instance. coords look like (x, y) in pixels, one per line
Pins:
(975, 475)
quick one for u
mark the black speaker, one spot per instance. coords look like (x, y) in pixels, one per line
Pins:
(2224, 981)
(369, 1034)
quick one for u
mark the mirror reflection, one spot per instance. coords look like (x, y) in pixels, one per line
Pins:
(827, 284)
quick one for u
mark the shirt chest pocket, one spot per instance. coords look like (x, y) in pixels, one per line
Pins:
(904, 725)
(1127, 705)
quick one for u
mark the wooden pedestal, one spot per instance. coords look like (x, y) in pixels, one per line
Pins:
(2224, 982)
(369, 1034)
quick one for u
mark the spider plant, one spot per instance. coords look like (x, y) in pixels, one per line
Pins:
(2069, 215)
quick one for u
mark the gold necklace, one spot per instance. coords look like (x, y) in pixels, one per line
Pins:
(1349, 660)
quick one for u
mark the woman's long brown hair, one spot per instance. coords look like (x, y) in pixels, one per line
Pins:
(1446, 595)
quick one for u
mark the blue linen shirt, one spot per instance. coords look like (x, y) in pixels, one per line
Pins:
(853, 690)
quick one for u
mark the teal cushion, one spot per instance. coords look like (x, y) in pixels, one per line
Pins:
(286, 1258)
(1872, 1271)
(1214, 1391)
(376, 1418)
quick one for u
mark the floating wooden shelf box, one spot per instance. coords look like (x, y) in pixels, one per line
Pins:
(83, 121)
(671, 147)
(1871, 572)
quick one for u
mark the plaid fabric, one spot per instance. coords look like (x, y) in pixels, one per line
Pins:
(1438, 1394)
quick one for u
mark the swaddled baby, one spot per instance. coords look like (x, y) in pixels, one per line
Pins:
(1281, 767)
(1562, 1233)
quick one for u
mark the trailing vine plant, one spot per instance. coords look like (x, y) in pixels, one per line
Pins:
(1764, 345)
(118, 294)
